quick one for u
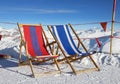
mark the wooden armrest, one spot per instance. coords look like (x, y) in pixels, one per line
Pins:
(47, 56)
(51, 43)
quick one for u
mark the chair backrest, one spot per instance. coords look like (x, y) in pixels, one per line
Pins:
(33, 36)
(63, 35)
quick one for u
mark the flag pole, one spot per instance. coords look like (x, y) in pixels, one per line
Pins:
(112, 26)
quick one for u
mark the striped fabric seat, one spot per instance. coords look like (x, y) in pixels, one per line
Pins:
(66, 40)
(35, 41)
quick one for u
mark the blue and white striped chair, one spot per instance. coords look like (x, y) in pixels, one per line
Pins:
(62, 36)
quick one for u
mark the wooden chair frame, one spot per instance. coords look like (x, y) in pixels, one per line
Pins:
(69, 59)
(30, 59)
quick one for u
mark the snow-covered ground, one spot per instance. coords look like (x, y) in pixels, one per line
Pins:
(10, 73)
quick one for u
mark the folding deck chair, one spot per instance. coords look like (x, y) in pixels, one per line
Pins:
(35, 42)
(62, 36)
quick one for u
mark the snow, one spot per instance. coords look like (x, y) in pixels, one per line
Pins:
(10, 73)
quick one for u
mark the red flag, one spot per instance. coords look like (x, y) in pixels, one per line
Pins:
(104, 24)
(98, 42)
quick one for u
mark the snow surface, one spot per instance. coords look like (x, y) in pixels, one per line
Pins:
(10, 73)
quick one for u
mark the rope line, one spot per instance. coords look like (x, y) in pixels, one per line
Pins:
(15, 23)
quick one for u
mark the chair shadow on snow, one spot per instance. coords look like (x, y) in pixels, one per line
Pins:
(8, 64)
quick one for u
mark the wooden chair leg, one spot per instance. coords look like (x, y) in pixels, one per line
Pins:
(31, 66)
(20, 55)
(68, 61)
(57, 64)
(94, 63)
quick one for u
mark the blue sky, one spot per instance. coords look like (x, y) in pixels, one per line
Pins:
(56, 11)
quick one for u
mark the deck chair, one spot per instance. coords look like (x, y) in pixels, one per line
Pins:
(62, 36)
(34, 40)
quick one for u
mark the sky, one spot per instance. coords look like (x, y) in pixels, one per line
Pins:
(49, 12)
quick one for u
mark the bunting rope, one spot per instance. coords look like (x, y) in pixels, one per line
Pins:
(15, 23)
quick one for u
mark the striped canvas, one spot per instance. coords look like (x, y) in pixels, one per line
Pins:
(35, 41)
(66, 41)
(63, 35)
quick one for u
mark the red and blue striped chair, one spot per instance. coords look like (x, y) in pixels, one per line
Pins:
(33, 39)
(63, 37)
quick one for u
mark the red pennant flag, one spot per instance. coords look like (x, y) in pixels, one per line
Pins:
(98, 42)
(104, 24)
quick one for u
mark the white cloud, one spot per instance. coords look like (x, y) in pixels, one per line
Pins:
(38, 11)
